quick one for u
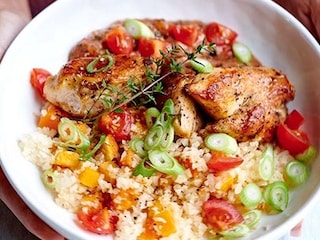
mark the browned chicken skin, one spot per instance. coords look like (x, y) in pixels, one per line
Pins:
(78, 92)
(245, 102)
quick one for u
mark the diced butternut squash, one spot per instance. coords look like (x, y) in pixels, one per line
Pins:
(149, 232)
(84, 128)
(227, 183)
(126, 158)
(165, 223)
(104, 169)
(92, 200)
(50, 118)
(110, 148)
(163, 219)
(89, 177)
(125, 199)
(67, 159)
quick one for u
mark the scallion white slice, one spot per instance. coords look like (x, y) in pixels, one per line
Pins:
(221, 142)
(236, 232)
(201, 65)
(165, 163)
(144, 169)
(276, 195)
(241, 52)
(154, 137)
(137, 145)
(251, 195)
(252, 218)
(296, 173)
(49, 179)
(138, 29)
(266, 163)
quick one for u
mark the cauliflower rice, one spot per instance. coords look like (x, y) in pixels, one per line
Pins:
(183, 195)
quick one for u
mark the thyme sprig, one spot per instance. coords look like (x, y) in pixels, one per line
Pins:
(140, 92)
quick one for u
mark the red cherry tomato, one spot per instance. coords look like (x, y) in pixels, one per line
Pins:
(118, 41)
(150, 47)
(219, 161)
(118, 124)
(220, 214)
(295, 141)
(219, 34)
(38, 78)
(96, 220)
(294, 120)
(186, 34)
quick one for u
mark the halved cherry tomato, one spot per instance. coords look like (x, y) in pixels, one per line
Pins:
(220, 161)
(220, 214)
(38, 78)
(294, 120)
(187, 33)
(151, 47)
(118, 41)
(219, 34)
(117, 123)
(96, 220)
(295, 141)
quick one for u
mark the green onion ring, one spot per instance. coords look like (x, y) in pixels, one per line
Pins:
(163, 162)
(91, 67)
(167, 138)
(151, 113)
(144, 169)
(236, 231)
(154, 137)
(252, 218)
(221, 142)
(49, 179)
(266, 163)
(276, 195)
(296, 173)
(137, 145)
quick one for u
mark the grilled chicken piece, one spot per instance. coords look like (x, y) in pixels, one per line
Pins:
(245, 102)
(79, 92)
(187, 120)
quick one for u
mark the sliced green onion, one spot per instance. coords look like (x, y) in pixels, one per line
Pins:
(68, 131)
(296, 173)
(236, 231)
(276, 195)
(167, 138)
(251, 195)
(165, 118)
(144, 169)
(154, 137)
(150, 115)
(168, 107)
(307, 155)
(241, 52)
(49, 179)
(72, 135)
(91, 67)
(165, 163)
(221, 142)
(88, 155)
(138, 29)
(201, 65)
(252, 218)
(266, 163)
(137, 145)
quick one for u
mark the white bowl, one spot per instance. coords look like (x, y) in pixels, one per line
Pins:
(275, 37)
